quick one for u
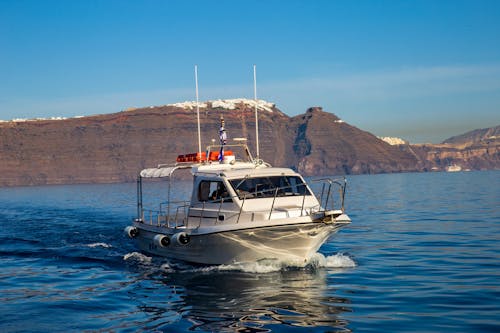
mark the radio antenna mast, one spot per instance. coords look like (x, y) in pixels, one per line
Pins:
(197, 107)
(256, 116)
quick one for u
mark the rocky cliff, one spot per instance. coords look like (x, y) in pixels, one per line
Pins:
(115, 147)
(484, 135)
(475, 150)
(324, 144)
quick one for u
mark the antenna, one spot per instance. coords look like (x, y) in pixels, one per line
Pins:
(197, 107)
(256, 116)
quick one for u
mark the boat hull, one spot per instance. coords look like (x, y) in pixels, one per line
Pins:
(290, 242)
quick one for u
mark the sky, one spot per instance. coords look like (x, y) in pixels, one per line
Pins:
(419, 70)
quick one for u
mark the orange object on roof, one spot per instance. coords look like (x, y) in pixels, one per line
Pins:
(214, 156)
(199, 157)
(193, 157)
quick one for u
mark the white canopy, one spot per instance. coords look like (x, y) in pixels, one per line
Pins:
(161, 172)
(157, 172)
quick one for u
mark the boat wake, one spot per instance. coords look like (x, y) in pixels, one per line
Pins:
(339, 260)
(317, 261)
(103, 245)
(137, 257)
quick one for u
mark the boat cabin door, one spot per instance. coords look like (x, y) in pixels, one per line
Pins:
(208, 190)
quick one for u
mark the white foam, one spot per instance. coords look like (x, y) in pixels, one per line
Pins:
(263, 266)
(166, 268)
(317, 260)
(93, 245)
(136, 256)
(338, 260)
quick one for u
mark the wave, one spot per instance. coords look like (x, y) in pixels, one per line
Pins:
(137, 257)
(104, 245)
(339, 260)
(316, 261)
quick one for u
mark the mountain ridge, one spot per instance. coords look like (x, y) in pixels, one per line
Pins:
(114, 147)
(475, 136)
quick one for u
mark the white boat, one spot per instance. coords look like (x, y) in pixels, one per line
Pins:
(240, 209)
(453, 168)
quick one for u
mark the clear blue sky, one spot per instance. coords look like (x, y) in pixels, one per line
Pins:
(420, 70)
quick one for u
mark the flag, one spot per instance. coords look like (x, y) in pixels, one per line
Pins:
(222, 138)
(223, 141)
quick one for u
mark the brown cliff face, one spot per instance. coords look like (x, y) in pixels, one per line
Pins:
(475, 150)
(478, 136)
(324, 144)
(115, 147)
(484, 155)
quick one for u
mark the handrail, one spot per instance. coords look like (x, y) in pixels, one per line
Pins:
(324, 202)
(303, 202)
(340, 182)
(278, 190)
(151, 212)
(218, 212)
(272, 206)
(241, 145)
(241, 209)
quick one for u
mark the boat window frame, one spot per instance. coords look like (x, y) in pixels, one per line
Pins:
(214, 195)
(272, 188)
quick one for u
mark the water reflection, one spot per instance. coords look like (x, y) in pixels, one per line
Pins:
(232, 301)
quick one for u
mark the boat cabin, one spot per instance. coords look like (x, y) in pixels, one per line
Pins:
(232, 192)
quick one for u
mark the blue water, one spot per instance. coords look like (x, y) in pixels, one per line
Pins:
(422, 255)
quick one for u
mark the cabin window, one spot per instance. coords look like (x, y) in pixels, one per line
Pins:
(267, 187)
(213, 191)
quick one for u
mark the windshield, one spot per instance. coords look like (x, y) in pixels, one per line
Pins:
(265, 187)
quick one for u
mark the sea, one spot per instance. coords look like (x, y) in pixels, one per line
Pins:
(422, 254)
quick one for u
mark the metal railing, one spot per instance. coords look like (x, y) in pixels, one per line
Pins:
(165, 215)
(327, 190)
